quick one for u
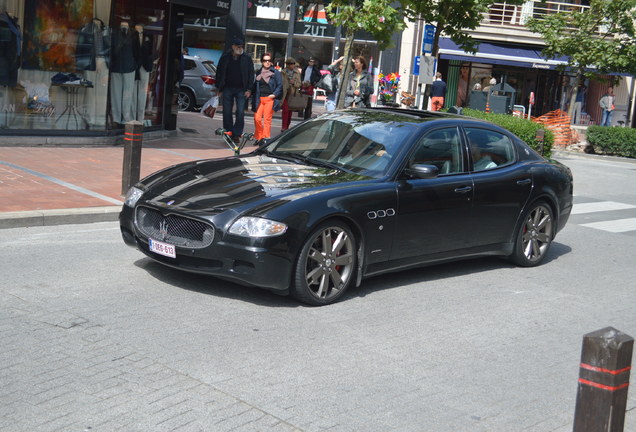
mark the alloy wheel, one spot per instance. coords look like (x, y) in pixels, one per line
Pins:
(329, 264)
(537, 233)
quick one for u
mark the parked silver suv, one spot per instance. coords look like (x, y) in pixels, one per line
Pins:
(199, 78)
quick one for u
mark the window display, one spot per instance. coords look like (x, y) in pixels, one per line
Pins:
(80, 64)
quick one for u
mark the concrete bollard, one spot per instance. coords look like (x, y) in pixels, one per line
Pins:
(133, 138)
(606, 359)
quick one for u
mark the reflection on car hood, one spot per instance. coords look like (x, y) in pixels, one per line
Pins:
(222, 183)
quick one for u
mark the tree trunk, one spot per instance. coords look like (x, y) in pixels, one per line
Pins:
(344, 77)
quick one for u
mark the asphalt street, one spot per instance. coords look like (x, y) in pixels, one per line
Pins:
(97, 337)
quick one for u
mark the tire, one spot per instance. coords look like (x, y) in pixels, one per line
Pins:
(535, 235)
(186, 100)
(326, 265)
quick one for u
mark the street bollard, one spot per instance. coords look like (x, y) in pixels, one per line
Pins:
(606, 359)
(540, 137)
(133, 138)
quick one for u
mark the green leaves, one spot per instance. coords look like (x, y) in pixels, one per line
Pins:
(601, 38)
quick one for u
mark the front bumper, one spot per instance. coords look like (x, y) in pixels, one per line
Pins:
(242, 264)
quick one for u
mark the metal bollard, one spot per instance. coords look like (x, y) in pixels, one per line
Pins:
(133, 138)
(540, 137)
(606, 359)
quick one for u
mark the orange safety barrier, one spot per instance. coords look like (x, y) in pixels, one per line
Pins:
(559, 123)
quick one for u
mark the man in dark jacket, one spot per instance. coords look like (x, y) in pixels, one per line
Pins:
(310, 74)
(234, 80)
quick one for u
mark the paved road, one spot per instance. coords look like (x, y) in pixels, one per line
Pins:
(97, 337)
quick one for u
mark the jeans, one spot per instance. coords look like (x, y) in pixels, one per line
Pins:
(606, 119)
(229, 96)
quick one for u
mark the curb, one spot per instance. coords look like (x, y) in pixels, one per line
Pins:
(25, 219)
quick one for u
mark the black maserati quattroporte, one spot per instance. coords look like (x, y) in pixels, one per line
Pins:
(352, 194)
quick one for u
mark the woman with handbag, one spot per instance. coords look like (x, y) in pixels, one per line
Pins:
(291, 87)
(359, 85)
(267, 91)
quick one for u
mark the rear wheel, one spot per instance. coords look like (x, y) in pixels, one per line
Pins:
(186, 100)
(535, 236)
(325, 267)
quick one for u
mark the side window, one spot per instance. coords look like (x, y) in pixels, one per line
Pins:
(489, 149)
(441, 148)
(189, 64)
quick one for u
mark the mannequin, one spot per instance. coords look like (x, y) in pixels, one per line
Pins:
(142, 50)
(10, 57)
(92, 55)
(122, 77)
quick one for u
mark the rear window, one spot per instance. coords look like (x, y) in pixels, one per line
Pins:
(210, 67)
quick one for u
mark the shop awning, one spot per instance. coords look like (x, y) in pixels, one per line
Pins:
(216, 7)
(492, 53)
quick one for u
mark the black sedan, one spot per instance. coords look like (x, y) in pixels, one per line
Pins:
(349, 195)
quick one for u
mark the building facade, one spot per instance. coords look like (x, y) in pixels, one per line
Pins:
(510, 53)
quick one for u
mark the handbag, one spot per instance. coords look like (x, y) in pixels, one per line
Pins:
(296, 102)
(326, 83)
(209, 108)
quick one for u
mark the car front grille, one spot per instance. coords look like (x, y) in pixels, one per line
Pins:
(174, 229)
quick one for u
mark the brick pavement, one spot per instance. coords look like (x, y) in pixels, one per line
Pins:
(67, 184)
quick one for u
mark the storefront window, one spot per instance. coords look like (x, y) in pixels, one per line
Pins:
(59, 57)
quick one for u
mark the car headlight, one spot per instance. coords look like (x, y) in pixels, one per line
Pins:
(133, 196)
(249, 226)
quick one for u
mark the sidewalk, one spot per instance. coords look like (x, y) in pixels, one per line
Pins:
(70, 184)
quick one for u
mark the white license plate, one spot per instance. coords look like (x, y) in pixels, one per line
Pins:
(162, 248)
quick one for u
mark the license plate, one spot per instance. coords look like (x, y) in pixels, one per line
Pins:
(161, 248)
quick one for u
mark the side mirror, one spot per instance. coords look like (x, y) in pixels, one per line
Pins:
(423, 171)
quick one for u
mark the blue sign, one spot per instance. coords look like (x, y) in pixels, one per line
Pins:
(429, 35)
(416, 65)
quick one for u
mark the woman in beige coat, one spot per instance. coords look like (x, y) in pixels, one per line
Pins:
(291, 86)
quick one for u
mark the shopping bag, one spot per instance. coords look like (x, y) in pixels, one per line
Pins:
(326, 83)
(209, 108)
(296, 102)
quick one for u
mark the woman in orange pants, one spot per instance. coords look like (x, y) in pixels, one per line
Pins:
(268, 89)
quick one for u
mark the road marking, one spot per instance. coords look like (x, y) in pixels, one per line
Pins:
(600, 207)
(615, 226)
(63, 183)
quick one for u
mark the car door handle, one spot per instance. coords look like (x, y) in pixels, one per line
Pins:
(524, 182)
(463, 190)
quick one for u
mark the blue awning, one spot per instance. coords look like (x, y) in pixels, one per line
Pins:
(492, 53)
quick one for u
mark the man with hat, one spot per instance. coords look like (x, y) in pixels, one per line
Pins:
(234, 80)
(310, 77)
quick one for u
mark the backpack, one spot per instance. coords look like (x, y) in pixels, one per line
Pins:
(326, 83)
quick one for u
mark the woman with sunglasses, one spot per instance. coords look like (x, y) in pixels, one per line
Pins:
(267, 91)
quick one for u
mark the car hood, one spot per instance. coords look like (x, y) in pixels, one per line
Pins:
(219, 184)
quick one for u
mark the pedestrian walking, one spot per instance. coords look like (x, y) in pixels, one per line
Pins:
(234, 81)
(291, 87)
(359, 85)
(438, 93)
(607, 105)
(335, 69)
(310, 76)
(267, 91)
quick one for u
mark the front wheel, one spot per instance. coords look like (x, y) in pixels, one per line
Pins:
(535, 236)
(326, 265)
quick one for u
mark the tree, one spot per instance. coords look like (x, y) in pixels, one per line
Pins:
(596, 41)
(453, 18)
(377, 17)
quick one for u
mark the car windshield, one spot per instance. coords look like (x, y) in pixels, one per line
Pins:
(361, 142)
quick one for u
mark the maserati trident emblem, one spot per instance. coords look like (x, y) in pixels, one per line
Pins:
(163, 230)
